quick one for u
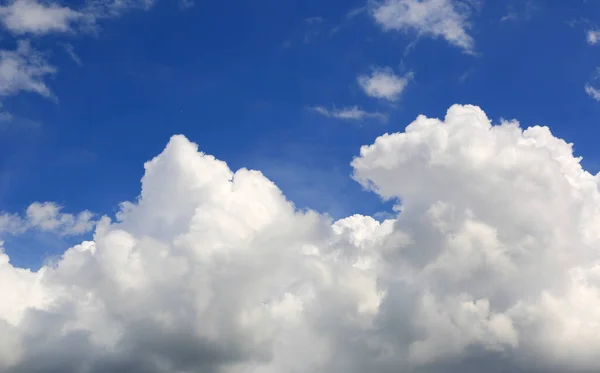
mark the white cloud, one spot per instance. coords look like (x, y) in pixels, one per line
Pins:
(30, 16)
(447, 19)
(592, 92)
(48, 217)
(491, 265)
(384, 84)
(24, 69)
(11, 224)
(355, 12)
(349, 113)
(593, 37)
(44, 17)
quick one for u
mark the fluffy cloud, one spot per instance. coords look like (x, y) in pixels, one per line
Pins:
(491, 265)
(349, 113)
(383, 84)
(447, 19)
(48, 217)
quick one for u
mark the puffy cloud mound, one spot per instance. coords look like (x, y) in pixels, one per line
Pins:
(491, 264)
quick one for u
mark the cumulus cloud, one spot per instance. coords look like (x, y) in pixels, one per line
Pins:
(48, 216)
(448, 19)
(383, 83)
(349, 113)
(491, 265)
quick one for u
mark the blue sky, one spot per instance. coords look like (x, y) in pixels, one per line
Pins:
(421, 229)
(259, 85)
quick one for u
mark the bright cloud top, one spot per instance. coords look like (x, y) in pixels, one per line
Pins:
(447, 19)
(384, 84)
(212, 270)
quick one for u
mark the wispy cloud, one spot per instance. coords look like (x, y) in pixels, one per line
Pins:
(30, 16)
(349, 113)
(316, 19)
(71, 52)
(511, 16)
(593, 36)
(383, 83)
(356, 11)
(592, 92)
(435, 18)
(24, 69)
(44, 17)
(186, 4)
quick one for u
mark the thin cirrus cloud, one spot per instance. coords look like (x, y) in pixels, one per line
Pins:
(212, 270)
(447, 19)
(383, 83)
(349, 113)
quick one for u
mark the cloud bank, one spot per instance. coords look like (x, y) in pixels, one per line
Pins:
(492, 264)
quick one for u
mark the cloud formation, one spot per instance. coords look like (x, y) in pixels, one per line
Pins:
(24, 69)
(491, 264)
(47, 217)
(383, 83)
(349, 113)
(448, 19)
(592, 92)
(30, 16)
